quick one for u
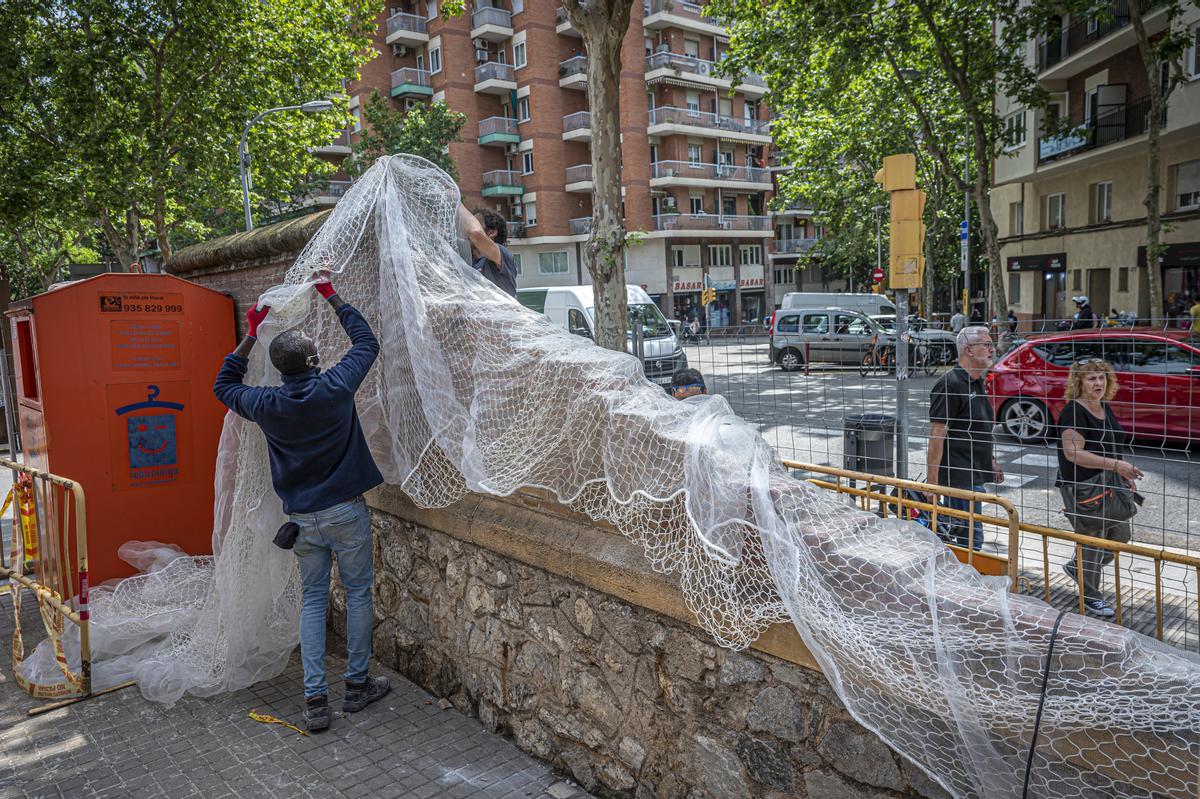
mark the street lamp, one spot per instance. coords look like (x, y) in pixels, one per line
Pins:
(311, 107)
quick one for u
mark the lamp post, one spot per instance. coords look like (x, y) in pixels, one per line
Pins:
(311, 107)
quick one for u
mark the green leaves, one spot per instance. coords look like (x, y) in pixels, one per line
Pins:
(426, 131)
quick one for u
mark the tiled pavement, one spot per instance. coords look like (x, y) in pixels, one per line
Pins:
(121, 745)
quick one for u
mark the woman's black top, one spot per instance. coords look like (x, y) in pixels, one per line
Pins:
(1103, 437)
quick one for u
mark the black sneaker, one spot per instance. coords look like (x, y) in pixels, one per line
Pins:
(1069, 568)
(316, 713)
(1100, 608)
(359, 695)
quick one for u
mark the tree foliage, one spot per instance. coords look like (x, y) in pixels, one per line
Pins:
(425, 131)
(139, 104)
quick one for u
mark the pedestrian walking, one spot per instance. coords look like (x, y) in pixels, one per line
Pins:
(1195, 314)
(958, 322)
(960, 430)
(1012, 322)
(1090, 445)
(488, 234)
(320, 468)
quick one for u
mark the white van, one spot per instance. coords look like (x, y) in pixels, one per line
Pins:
(865, 304)
(574, 309)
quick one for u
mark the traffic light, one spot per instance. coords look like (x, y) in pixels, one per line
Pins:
(708, 296)
(907, 238)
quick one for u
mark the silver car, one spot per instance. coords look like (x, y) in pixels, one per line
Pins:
(822, 335)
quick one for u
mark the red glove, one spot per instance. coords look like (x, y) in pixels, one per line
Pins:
(324, 287)
(254, 318)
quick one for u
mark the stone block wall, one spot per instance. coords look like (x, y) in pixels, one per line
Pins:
(629, 701)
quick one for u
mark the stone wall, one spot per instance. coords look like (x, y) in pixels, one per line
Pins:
(473, 605)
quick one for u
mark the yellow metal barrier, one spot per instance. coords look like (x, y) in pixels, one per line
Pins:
(59, 580)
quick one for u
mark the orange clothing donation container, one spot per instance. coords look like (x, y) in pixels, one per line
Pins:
(114, 382)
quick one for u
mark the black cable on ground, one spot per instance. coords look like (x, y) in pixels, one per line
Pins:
(1037, 720)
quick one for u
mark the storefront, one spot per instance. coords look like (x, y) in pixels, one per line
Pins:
(1180, 273)
(753, 300)
(686, 293)
(1051, 287)
(723, 312)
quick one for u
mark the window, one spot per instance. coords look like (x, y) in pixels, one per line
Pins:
(1191, 59)
(750, 255)
(729, 205)
(693, 102)
(720, 255)
(552, 263)
(816, 323)
(523, 109)
(519, 55)
(1123, 279)
(431, 6)
(784, 277)
(788, 324)
(421, 61)
(531, 214)
(686, 256)
(1014, 287)
(527, 162)
(1065, 353)
(725, 107)
(357, 119)
(435, 60)
(691, 47)
(1077, 280)
(516, 256)
(518, 6)
(750, 111)
(577, 323)
(1056, 211)
(1016, 219)
(695, 154)
(1014, 130)
(1102, 202)
(697, 205)
(1159, 357)
(1187, 185)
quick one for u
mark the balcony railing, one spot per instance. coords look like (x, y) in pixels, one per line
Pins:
(501, 18)
(502, 178)
(405, 22)
(1112, 124)
(410, 76)
(695, 66)
(516, 230)
(560, 14)
(579, 173)
(494, 70)
(492, 125)
(669, 115)
(702, 171)
(683, 8)
(1080, 35)
(580, 225)
(334, 188)
(791, 246)
(577, 121)
(710, 222)
(576, 65)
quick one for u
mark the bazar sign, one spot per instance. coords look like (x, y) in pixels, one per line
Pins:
(718, 285)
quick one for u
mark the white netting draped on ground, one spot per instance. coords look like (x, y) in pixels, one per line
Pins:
(472, 392)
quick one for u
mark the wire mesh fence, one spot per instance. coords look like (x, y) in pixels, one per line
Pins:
(811, 375)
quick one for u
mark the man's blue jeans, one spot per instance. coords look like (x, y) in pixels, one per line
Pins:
(959, 526)
(344, 530)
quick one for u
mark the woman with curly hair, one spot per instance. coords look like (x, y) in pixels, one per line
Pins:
(1091, 442)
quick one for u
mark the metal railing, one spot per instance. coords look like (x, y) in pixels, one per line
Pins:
(694, 65)
(494, 70)
(705, 171)
(579, 173)
(1111, 124)
(497, 125)
(516, 230)
(788, 246)
(684, 8)
(670, 115)
(580, 225)
(502, 177)
(335, 188)
(410, 76)
(401, 21)
(668, 221)
(500, 17)
(1080, 35)
(576, 65)
(578, 121)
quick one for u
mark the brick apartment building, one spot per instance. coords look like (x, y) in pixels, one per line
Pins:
(1070, 208)
(697, 175)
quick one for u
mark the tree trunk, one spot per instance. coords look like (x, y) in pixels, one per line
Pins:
(1158, 107)
(603, 24)
(125, 244)
(998, 297)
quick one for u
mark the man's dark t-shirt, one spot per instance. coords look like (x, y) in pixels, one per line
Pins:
(1103, 437)
(503, 275)
(962, 404)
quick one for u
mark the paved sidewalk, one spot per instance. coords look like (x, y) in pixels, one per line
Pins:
(120, 745)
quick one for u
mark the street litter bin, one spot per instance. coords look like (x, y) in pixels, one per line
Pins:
(869, 443)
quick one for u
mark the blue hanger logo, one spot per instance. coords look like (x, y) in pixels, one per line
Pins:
(152, 402)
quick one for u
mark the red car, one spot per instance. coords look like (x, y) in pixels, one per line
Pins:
(1158, 374)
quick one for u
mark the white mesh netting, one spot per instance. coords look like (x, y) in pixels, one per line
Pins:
(472, 392)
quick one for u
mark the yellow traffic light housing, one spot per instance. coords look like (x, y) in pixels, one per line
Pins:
(906, 259)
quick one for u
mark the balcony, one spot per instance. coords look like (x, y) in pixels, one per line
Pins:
(324, 194)
(579, 178)
(668, 119)
(792, 246)
(577, 126)
(502, 183)
(493, 77)
(406, 29)
(498, 130)
(581, 226)
(794, 209)
(411, 82)
(516, 230)
(572, 73)
(687, 173)
(663, 65)
(680, 14)
(1113, 123)
(1089, 41)
(713, 222)
(563, 25)
(493, 24)
(338, 147)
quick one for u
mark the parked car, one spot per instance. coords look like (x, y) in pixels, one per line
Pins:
(821, 335)
(1158, 373)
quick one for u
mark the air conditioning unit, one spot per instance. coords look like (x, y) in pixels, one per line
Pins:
(399, 50)
(479, 44)
(726, 224)
(514, 210)
(511, 148)
(481, 55)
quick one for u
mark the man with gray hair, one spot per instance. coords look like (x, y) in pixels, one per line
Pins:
(320, 467)
(960, 429)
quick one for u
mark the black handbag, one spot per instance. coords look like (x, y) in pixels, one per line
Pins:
(1100, 501)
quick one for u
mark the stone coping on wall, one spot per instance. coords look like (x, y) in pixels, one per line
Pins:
(237, 250)
(532, 527)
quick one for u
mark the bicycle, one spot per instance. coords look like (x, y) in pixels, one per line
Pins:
(881, 358)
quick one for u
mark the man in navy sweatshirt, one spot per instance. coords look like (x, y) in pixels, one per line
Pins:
(320, 467)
